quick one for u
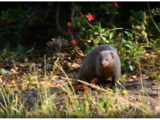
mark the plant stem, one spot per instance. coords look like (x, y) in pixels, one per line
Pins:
(152, 18)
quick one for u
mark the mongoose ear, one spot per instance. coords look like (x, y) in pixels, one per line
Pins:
(112, 55)
(99, 53)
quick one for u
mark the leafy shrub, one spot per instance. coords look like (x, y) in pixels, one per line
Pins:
(88, 30)
(130, 52)
(22, 51)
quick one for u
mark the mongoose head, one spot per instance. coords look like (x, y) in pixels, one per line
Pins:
(106, 59)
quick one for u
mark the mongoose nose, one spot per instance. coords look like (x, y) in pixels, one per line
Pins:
(102, 64)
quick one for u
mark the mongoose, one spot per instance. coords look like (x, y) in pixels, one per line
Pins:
(102, 63)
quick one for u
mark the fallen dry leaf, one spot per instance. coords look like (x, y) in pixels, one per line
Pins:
(14, 71)
(39, 65)
(94, 81)
(130, 79)
(22, 65)
(79, 88)
(134, 76)
(157, 109)
(86, 89)
(82, 88)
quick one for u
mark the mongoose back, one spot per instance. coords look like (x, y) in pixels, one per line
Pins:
(102, 62)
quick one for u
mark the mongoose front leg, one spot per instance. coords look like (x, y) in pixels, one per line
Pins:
(113, 84)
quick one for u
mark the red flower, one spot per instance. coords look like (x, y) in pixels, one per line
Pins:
(68, 24)
(120, 35)
(115, 4)
(89, 17)
(8, 21)
(73, 42)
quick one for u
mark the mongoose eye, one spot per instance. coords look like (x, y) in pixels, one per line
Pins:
(106, 59)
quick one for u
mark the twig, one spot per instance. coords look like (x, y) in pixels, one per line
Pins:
(123, 29)
(141, 77)
(94, 86)
(120, 84)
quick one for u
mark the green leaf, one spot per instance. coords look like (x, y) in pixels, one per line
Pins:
(87, 50)
(78, 24)
(30, 51)
(107, 12)
(123, 40)
(95, 33)
(102, 30)
(103, 38)
(131, 67)
(111, 35)
(138, 27)
(111, 41)
(3, 71)
(129, 46)
(97, 40)
(107, 41)
(128, 34)
(116, 13)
